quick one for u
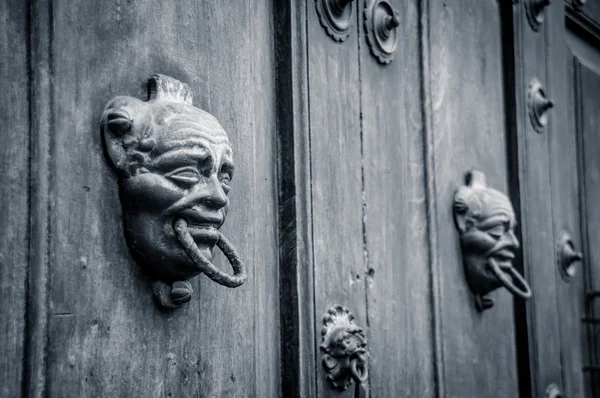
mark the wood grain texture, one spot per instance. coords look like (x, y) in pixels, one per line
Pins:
(106, 336)
(398, 287)
(336, 175)
(536, 206)
(466, 102)
(14, 191)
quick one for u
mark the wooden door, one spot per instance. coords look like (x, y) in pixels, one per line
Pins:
(372, 156)
(557, 174)
(347, 160)
(79, 310)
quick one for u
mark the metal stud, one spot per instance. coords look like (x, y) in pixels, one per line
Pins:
(567, 256)
(535, 12)
(538, 105)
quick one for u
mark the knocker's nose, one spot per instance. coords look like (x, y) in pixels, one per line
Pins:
(209, 194)
(512, 239)
(215, 197)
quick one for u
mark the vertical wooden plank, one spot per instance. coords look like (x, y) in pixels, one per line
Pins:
(295, 225)
(40, 54)
(466, 102)
(562, 136)
(336, 175)
(398, 286)
(14, 190)
(106, 337)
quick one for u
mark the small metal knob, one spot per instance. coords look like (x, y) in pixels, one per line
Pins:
(567, 256)
(535, 12)
(553, 391)
(538, 105)
(336, 17)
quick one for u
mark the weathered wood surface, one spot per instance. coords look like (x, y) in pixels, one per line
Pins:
(398, 285)
(467, 105)
(14, 192)
(588, 102)
(535, 199)
(105, 335)
(336, 164)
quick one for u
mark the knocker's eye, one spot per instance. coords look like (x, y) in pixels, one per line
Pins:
(497, 231)
(225, 181)
(184, 176)
(225, 176)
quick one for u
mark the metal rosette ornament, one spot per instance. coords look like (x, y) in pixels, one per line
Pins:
(336, 17)
(381, 28)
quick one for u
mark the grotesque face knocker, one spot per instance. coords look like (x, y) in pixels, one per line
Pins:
(175, 164)
(485, 220)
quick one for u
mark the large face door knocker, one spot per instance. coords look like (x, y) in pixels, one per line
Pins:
(485, 220)
(174, 163)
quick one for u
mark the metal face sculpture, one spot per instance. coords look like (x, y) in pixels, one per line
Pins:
(345, 348)
(174, 164)
(485, 220)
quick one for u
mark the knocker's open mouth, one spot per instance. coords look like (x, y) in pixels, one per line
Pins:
(506, 274)
(503, 259)
(188, 234)
(205, 233)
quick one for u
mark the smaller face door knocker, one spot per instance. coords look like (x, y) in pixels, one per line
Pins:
(174, 163)
(485, 220)
(344, 349)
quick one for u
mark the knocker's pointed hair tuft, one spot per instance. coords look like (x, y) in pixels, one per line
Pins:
(161, 86)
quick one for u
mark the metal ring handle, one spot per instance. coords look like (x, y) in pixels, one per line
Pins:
(524, 292)
(359, 376)
(239, 269)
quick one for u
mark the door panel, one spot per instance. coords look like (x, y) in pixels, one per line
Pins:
(105, 335)
(586, 84)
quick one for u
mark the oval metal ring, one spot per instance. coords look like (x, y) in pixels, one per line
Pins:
(524, 292)
(239, 269)
(356, 374)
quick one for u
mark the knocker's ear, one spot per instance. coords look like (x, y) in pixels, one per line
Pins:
(116, 128)
(460, 210)
(126, 150)
(466, 200)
